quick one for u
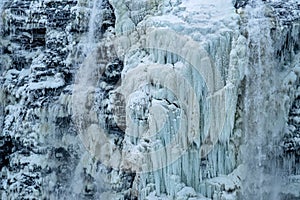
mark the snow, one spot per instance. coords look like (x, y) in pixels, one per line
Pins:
(50, 83)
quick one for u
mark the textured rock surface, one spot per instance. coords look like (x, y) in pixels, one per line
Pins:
(187, 71)
(40, 53)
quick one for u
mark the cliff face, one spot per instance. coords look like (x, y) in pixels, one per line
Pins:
(40, 47)
(110, 99)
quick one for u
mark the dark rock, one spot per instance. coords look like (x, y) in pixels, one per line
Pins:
(240, 3)
(6, 148)
(62, 154)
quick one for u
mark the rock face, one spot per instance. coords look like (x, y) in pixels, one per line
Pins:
(156, 99)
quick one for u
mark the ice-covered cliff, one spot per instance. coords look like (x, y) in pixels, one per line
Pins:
(149, 99)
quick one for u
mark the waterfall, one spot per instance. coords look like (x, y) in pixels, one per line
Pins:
(86, 74)
(260, 94)
(94, 26)
(85, 80)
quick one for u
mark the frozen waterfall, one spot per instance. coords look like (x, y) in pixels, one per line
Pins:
(150, 99)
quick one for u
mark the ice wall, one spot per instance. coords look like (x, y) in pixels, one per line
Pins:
(163, 65)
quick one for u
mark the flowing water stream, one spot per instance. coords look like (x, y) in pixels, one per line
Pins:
(262, 180)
